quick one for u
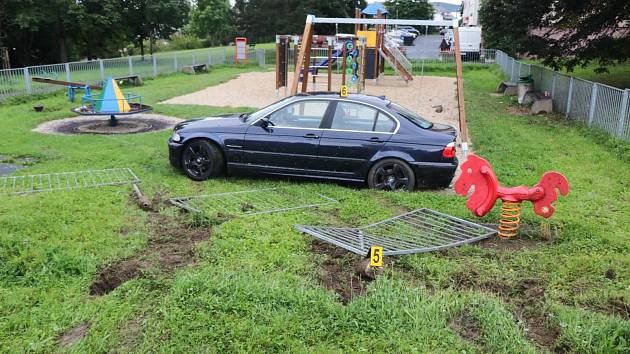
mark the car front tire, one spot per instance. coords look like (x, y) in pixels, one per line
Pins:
(202, 160)
(391, 174)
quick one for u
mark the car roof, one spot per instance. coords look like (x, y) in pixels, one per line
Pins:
(378, 101)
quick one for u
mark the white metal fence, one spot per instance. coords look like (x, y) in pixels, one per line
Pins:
(17, 82)
(594, 104)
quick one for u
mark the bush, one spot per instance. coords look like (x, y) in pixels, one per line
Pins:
(185, 41)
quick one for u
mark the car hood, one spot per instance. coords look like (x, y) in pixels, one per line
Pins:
(214, 122)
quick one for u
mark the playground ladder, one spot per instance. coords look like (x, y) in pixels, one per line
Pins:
(397, 60)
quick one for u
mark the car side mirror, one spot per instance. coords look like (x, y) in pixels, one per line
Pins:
(264, 123)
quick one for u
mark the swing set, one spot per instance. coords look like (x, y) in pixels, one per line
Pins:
(385, 52)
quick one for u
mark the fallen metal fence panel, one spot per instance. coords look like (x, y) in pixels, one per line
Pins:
(252, 202)
(49, 182)
(421, 230)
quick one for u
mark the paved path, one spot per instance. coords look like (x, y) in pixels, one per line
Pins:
(425, 47)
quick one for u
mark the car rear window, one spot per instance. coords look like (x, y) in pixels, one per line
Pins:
(411, 116)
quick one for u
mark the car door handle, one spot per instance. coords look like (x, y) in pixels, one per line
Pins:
(375, 139)
(311, 136)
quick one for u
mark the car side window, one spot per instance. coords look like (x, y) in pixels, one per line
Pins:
(354, 116)
(384, 124)
(302, 114)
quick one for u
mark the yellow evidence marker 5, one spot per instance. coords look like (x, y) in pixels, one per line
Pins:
(376, 256)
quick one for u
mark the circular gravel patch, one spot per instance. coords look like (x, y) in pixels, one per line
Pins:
(137, 123)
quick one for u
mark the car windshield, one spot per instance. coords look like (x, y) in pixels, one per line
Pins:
(265, 111)
(411, 116)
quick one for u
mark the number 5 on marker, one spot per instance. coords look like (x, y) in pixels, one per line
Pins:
(376, 256)
(344, 91)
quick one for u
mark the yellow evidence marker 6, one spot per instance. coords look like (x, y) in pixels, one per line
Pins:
(344, 91)
(376, 256)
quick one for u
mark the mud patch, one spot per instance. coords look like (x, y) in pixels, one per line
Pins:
(519, 110)
(171, 245)
(619, 306)
(138, 123)
(515, 244)
(74, 335)
(466, 327)
(337, 271)
(529, 237)
(526, 297)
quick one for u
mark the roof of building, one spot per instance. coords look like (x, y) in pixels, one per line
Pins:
(373, 8)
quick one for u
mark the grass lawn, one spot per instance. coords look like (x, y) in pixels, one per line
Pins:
(255, 284)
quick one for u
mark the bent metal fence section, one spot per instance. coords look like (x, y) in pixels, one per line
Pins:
(596, 105)
(252, 202)
(14, 185)
(421, 230)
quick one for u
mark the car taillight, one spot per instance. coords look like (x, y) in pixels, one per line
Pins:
(449, 151)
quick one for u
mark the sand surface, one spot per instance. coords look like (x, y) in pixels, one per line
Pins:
(257, 89)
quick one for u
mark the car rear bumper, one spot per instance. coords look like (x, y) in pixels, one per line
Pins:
(175, 154)
(434, 173)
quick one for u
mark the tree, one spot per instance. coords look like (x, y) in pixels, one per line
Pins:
(578, 32)
(212, 19)
(410, 9)
(261, 20)
(44, 31)
(104, 34)
(147, 19)
(563, 33)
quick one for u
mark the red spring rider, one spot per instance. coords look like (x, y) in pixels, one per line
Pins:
(478, 172)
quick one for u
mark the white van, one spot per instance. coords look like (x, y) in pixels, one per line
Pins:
(469, 42)
(470, 39)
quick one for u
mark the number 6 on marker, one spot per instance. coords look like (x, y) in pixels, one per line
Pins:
(376, 256)
(344, 91)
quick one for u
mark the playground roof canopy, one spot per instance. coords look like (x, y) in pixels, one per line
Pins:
(373, 8)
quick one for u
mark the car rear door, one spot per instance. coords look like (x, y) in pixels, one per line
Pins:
(290, 140)
(355, 133)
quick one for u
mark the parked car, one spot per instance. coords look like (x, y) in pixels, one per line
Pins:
(409, 29)
(324, 136)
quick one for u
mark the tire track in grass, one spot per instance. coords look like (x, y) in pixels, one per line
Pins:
(171, 246)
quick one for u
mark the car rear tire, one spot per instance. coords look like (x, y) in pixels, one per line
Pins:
(391, 174)
(202, 160)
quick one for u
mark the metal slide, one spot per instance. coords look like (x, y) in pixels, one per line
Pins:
(397, 60)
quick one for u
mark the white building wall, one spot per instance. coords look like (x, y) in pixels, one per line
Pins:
(471, 12)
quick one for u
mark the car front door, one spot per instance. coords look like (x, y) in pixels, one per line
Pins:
(355, 134)
(288, 138)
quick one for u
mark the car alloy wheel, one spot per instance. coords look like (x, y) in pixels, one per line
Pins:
(391, 174)
(201, 160)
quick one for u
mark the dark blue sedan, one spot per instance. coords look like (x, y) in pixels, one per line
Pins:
(358, 138)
